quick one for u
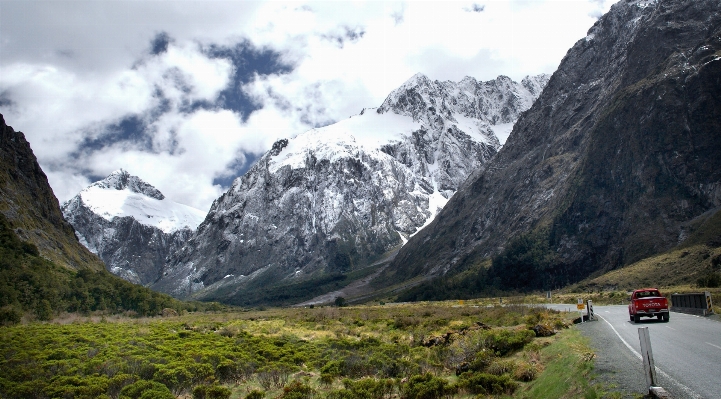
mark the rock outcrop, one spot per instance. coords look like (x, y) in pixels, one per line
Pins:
(31, 208)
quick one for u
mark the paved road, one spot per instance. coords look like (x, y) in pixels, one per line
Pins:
(686, 350)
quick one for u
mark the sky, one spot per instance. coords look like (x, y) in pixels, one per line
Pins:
(188, 94)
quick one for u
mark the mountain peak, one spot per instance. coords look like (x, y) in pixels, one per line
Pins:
(122, 180)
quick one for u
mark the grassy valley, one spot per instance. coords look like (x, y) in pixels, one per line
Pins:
(421, 350)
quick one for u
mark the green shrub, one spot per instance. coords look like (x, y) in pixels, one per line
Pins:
(275, 375)
(711, 280)
(326, 379)
(503, 342)
(9, 315)
(174, 376)
(214, 391)
(297, 390)
(367, 388)
(502, 366)
(426, 386)
(118, 382)
(144, 389)
(525, 372)
(255, 394)
(333, 368)
(487, 384)
(481, 360)
(77, 387)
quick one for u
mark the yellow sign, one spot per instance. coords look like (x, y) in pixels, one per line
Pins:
(580, 306)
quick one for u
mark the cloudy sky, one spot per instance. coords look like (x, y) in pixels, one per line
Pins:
(187, 94)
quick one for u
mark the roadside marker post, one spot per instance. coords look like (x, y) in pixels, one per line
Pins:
(648, 365)
(580, 308)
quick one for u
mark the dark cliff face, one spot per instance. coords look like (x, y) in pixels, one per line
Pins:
(29, 205)
(611, 164)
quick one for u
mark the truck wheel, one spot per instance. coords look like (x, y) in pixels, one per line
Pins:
(636, 318)
(631, 317)
(666, 317)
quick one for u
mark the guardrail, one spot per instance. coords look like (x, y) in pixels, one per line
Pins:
(698, 303)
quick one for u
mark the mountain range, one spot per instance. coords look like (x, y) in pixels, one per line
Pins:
(336, 199)
(612, 159)
(322, 203)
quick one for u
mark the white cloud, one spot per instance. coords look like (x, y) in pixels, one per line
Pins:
(71, 68)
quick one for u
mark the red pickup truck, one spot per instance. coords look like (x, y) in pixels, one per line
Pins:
(647, 302)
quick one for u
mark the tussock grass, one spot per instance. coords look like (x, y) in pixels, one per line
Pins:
(568, 370)
(677, 268)
(319, 352)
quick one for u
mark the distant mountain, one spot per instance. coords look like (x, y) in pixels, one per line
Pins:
(44, 270)
(130, 225)
(336, 199)
(30, 207)
(613, 163)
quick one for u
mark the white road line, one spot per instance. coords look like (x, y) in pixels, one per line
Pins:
(715, 346)
(687, 390)
(670, 328)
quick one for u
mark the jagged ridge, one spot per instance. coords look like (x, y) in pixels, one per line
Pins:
(334, 199)
(130, 225)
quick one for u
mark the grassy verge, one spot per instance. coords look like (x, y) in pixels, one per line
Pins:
(568, 370)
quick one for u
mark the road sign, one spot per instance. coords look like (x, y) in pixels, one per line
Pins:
(580, 306)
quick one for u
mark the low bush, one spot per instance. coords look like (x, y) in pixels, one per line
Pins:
(297, 390)
(503, 342)
(501, 366)
(369, 388)
(487, 384)
(255, 394)
(525, 372)
(214, 391)
(146, 390)
(426, 386)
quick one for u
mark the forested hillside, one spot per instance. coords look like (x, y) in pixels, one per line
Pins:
(36, 287)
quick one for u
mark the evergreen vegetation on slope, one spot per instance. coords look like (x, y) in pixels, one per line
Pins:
(34, 286)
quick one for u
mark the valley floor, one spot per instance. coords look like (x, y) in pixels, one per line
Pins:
(423, 350)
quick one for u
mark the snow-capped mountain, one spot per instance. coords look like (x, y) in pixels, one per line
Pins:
(336, 198)
(130, 225)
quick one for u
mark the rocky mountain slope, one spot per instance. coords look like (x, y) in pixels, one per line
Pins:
(611, 164)
(30, 207)
(130, 225)
(335, 199)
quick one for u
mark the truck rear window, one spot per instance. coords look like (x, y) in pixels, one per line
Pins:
(645, 294)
